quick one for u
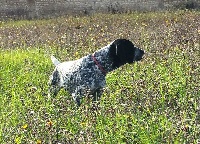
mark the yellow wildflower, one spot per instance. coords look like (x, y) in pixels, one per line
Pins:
(25, 126)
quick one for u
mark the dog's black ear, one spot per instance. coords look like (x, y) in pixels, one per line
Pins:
(113, 55)
(121, 51)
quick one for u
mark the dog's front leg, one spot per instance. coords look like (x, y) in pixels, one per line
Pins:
(97, 94)
(77, 95)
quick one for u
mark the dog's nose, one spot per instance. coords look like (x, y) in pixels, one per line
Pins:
(138, 54)
(142, 52)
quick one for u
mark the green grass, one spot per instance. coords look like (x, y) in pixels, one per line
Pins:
(153, 101)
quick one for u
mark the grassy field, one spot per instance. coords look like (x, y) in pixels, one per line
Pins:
(156, 100)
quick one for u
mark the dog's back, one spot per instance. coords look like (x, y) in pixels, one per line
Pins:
(64, 74)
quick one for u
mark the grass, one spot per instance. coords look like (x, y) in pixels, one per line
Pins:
(153, 101)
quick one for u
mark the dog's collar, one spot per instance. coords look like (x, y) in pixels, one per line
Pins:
(99, 66)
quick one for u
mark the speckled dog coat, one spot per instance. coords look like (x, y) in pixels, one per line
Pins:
(86, 76)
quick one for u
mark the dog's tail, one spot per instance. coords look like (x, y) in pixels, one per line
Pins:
(54, 60)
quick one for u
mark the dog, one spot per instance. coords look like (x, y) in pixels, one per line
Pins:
(86, 76)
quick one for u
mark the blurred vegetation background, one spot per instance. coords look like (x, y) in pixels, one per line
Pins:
(31, 9)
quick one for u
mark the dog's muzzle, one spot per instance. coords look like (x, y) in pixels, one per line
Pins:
(138, 54)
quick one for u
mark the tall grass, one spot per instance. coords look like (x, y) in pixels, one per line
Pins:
(152, 101)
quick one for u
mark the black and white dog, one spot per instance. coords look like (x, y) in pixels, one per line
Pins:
(86, 76)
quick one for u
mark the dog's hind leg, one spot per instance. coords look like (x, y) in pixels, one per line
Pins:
(54, 83)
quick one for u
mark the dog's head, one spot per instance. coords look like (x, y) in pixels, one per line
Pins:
(123, 51)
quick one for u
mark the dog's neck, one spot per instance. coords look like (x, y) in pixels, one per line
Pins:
(102, 56)
(97, 63)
